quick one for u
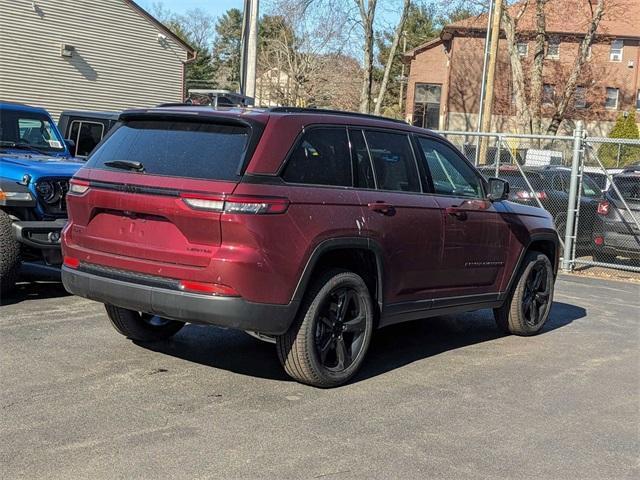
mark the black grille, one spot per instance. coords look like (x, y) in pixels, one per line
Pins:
(52, 195)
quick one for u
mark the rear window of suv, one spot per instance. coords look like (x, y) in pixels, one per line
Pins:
(176, 148)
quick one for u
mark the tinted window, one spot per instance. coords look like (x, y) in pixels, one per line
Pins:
(517, 181)
(629, 188)
(363, 173)
(393, 161)
(590, 188)
(176, 148)
(451, 175)
(86, 135)
(321, 158)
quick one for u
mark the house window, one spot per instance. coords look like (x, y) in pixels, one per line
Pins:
(426, 105)
(612, 98)
(617, 47)
(523, 49)
(581, 97)
(638, 101)
(548, 94)
(553, 48)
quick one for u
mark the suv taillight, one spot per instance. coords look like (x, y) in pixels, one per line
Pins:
(78, 187)
(236, 204)
(603, 208)
(526, 195)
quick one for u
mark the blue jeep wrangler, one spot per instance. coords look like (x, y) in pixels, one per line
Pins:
(35, 167)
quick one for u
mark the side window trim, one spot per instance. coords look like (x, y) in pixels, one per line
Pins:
(475, 172)
(360, 131)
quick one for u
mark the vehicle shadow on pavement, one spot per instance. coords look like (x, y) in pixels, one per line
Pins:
(398, 345)
(34, 290)
(391, 348)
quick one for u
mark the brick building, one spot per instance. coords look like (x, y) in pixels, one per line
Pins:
(445, 73)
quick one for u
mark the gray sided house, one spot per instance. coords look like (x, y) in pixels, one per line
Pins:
(88, 55)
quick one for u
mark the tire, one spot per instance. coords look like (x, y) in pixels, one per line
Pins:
(9, 255)
(527, 309)
(312, 349)
(141, 326)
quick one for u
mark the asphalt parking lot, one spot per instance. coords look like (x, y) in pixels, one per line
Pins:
(443, 398)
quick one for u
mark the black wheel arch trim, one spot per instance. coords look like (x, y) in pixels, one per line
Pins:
(536, 237)
(340, 243)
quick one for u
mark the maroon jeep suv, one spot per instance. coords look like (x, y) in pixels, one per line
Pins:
(310, 228)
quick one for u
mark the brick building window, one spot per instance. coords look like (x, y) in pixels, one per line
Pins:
(426, 105)
(548, 94)
(638, 100)
(617, 49)
(611, 101)
(523, 49)
(581, 97)
(553, 48)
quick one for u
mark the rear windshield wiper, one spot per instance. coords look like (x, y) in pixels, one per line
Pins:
(22, 146)
(126, 165)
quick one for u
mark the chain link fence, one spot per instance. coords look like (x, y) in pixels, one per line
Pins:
(591, 187)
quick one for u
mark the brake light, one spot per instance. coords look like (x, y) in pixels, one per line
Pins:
(78, 187)
(598, 241)
(209, 288)
(71, 262)
(236, 204)
(603, 208)
(526, 195)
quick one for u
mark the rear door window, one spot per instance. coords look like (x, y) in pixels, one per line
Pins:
(321, 157)
(393, 161)
(177, 148)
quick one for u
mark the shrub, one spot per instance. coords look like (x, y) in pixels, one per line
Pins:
(613, 155)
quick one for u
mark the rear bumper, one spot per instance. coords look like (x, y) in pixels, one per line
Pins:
(230, 312)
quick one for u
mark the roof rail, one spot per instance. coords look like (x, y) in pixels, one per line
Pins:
(332, 112)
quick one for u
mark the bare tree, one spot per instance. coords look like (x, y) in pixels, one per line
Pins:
(392, 54)
(367, 10)
(528, 96)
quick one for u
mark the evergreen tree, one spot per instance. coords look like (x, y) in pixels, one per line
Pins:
(612, 155)
(227, 48)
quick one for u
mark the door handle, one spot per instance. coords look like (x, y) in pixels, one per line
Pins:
(382, 207)
(456, 212)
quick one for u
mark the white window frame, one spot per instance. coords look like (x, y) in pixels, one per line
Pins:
(616, 53)
(525, 49)
(617, 90)
(556, 42)
(581, 97)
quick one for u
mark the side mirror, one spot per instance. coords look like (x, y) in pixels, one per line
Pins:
(71, 146)
(498, 190)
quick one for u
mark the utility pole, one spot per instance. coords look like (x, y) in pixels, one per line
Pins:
(249, 60)
(487, 108)
(402, 78)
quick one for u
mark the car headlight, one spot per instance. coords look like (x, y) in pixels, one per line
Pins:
(49, 191)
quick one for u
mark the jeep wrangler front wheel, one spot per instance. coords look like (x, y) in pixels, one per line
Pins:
(9, 255)
(329, 339)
